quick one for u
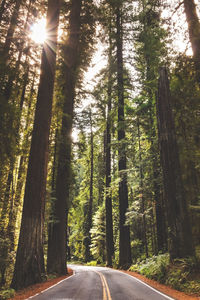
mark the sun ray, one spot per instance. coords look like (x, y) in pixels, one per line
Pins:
(38, 31)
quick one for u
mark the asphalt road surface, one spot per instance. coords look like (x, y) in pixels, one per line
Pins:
(98, 283)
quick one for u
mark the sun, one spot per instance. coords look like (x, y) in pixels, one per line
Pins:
(38, 31)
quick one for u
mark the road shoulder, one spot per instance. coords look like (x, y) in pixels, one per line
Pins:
(39, 287)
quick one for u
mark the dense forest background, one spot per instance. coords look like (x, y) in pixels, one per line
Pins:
(99, 135)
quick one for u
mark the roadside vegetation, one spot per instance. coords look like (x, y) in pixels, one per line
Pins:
(181, 274)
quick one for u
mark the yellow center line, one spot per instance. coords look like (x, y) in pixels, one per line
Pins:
(106, 291)
(104, 288)
(107, 288)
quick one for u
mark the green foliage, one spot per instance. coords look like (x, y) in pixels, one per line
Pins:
(176, 278)
(7, 294)
(150, 45)
(51, 276)
(136, 248)
(191, 286)
(76, 235)
(181, 274)
(98, 235)
(7, 260)
(188, 264)
(92, 263)
(198, 252)
(154, 267)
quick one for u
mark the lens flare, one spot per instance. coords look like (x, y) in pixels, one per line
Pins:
(38, 31)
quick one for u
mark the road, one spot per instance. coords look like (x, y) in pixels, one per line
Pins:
(98, 283)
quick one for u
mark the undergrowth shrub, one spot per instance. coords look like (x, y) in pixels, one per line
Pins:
(192, 286)
(182, 274)
(154, 267)
(92, 263)
(175, 278)
(7, 293)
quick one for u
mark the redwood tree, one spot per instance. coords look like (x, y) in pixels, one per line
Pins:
(109, 218)
(29, 266)
(180, 235)
(194, 32)
(124, 236)
(89, 205)
(56, 262)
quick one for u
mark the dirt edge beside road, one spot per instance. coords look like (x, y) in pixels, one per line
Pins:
(39, 287)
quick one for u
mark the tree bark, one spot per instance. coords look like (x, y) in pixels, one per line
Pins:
(124, 238)
(11, 82)
(180, 235)
(160, 220)
(24, 86)
(29, 266)
(2, 9)
(161, 244)
(88, 209)
(7, 199)
(142, 194)
(109, 218)
(193, 27)
(56, 261)
(194, 32)
(13, 215)
(91, 172)
(10, 32)
(151, 22)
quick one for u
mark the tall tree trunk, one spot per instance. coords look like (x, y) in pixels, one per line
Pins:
(7, 118)
(159, 208)
(56, 261)
(10, 32)
(13, 214)
(142, 193)
(160, 217)
(109, 218)
(193, 27)
(151, 21)
(6, 200)
(88, 209)
(11, 83)
(29, 266)
(194, 32)
(24, 86)
(180, 235)
(90, 203)
(124, 238)
(91, 173)
(52, 210)
(9, 232)
(4, 67)
(57, 251)
(2, 9)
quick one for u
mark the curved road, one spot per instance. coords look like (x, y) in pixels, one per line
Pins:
(98, 283)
